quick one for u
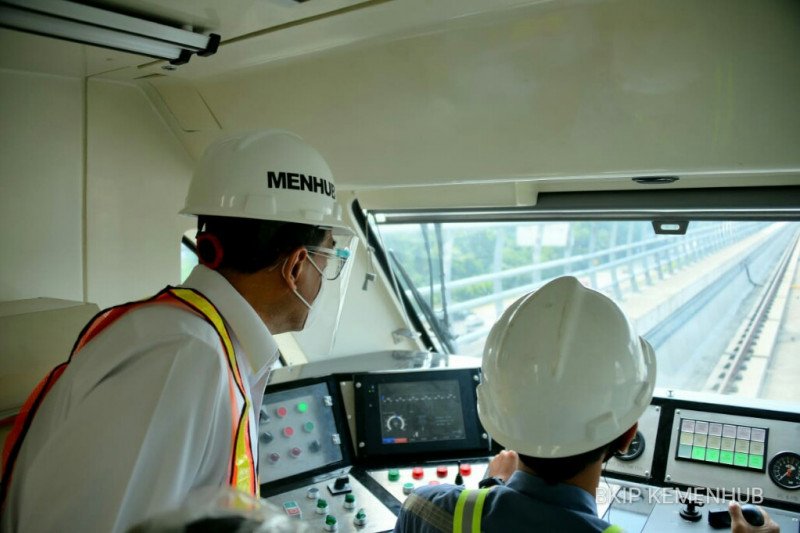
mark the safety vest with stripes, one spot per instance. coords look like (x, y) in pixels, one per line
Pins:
(242, 473)
(467, 516)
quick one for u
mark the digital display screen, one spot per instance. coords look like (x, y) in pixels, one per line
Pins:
(420, 411)
(730, 445)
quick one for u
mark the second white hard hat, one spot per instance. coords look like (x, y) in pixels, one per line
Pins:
(267, 175)
(564, 372)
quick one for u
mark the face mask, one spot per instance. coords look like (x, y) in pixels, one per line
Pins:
(313, 308)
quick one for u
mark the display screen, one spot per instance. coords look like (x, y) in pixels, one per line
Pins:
(420, 411)
(723, 444)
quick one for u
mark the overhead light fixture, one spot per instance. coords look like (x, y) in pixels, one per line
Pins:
(91, 25)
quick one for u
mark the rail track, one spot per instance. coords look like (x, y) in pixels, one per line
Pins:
(743, 365)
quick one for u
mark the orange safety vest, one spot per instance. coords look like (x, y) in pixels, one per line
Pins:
(241, 467)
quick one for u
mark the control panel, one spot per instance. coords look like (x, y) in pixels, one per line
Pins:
(297, 432)
(735, 453)
(342, 451)
(338, 503)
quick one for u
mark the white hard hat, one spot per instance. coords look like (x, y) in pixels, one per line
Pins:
(267, 175)
(564, 372)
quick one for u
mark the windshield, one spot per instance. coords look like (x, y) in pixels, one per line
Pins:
(715, 303)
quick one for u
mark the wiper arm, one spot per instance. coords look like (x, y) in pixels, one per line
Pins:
(430, 316)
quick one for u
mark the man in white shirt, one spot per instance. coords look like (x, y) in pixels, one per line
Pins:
(161, 397)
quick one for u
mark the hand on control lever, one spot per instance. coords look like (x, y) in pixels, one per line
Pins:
(740, 524)
(503, 465)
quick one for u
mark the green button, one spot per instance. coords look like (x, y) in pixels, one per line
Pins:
(756, 461)
(712, 456)
(308, 427)
(330, 520)
(726, 457)
(302, 407)
(361, 515)
(740, 459)
(684, 451)
(322, 503)
(350, 497)
(394, 474)
(698, 453)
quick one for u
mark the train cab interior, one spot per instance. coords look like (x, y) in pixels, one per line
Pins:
(650, 149)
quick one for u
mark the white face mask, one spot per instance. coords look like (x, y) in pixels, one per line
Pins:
(313, 309)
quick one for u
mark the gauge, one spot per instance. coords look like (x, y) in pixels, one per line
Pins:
(395, 422)
(784, 470)
(634, 450)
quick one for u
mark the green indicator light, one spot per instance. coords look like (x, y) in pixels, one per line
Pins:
(330, 520)
(308, 427)
(712, 456)
(685, 451)
(699, 453)
(740, 459)
(756, 461)
(302, 407)
(726, 457)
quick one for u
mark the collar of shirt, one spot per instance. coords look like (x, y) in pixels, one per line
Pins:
(560, 494)
(256, 341)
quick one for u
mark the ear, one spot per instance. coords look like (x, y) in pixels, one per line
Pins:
(293, 266)
(627, 437)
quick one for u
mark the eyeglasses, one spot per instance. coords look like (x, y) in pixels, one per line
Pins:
(336, 259)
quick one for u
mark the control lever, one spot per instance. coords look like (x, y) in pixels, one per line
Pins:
(459, 477)
(340, 486)
(721, 519)
(690, 512)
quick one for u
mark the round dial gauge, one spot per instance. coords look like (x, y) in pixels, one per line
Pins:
(634, 450)
(395, 422)
(784, 470)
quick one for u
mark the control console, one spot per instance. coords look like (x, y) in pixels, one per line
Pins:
(343, 451)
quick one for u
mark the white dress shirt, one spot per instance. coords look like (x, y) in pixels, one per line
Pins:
(140, 418)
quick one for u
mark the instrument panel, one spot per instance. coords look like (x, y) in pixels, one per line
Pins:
(359, 442)
(730, 452)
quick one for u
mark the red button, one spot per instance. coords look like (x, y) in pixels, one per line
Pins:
(288, 432)
(281, 411)
(296, 452)
(465, 470)
(441, 471)
(433, 482)
(417, 473)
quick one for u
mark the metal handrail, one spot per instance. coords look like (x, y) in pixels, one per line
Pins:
(688, 249)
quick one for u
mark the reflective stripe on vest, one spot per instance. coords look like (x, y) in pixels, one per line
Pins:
(241, 467)
(469, 511)
(469, 508)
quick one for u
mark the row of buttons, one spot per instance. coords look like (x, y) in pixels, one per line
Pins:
(418, 472)
(287, 432)
(301, 407)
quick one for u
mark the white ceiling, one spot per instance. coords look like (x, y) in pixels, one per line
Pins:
(254, 32)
